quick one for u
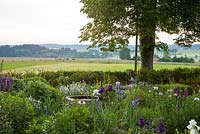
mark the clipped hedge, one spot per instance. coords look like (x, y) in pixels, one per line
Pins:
(179, 75)
(188, 76)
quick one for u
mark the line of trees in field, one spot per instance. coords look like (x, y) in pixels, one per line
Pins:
(32, 50)
(177, 59)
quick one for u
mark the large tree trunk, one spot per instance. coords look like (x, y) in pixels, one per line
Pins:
(147, 45)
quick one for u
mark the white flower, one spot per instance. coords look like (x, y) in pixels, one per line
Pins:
(192, 127)
(155, 88)
(175, 94)
(189, 126)
(198, 128)
(194, 131)
(196, 99)
(96, 92)
(117, 84)
(193, 122)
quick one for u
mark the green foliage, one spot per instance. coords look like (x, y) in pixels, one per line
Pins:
(18, 84)
(124, 54)
(42, 125)
(15, 114)
(76, 120)
(78, 76)
(177, 59)
(39, 90)
(67, 77)
(178, 75)
(115, 22)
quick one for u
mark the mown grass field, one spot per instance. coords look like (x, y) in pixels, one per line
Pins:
(13, 63)
(35, 65)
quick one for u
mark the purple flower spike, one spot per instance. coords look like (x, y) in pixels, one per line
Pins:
(161, 128)
(101, 90)
(6, 83)
(132, 80)
(110, 88)
(135, 102)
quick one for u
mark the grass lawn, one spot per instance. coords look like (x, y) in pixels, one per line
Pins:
(80, 65)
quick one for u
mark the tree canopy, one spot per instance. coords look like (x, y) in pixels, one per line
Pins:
(115, 21)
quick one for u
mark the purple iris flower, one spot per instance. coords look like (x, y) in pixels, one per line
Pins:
(142, 123)
(110, 88)
(119, 92)
(135, 102)
(161, 128)
(132, 80)
(118, 84)
(101, 90)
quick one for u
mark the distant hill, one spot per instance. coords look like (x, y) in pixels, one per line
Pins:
(79, 47)
(68, 50)
(51, 50)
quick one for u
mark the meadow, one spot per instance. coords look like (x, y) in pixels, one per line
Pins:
(51, 64)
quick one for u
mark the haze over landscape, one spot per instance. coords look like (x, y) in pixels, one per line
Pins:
(45, 21)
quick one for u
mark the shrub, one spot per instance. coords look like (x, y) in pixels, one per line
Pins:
(18, 84)
(45, 99)
(15, 114)
(75, 120)
(178, 75)
(78, 77)
(41, 125)
(40, 90)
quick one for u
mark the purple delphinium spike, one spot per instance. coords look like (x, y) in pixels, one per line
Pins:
(110, 88)
(101, 90)
(135, 102)
(161, 128)
(1, 84)
(6, 83)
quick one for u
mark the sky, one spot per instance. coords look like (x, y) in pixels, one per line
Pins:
(45, 21)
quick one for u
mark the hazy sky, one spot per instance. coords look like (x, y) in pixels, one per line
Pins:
(44, 21)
